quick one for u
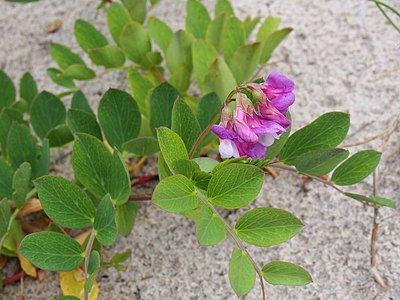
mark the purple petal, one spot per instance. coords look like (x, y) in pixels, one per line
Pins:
(253, 150)
(278, 81)
(222, 132)
(283, 101)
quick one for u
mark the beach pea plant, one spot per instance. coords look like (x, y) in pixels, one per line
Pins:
(213, 147)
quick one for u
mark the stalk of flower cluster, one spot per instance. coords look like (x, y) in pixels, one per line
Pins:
(209, 126)
(203, 198)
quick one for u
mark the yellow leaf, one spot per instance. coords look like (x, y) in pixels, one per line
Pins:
(72, 284)
(26, 265)
(81, 238)
(31, 206)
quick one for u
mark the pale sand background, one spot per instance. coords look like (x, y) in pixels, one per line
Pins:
(343, 56)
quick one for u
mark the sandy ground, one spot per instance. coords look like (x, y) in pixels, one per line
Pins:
(343, 56)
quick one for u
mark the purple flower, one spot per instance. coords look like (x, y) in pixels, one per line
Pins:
(279, 91)
(249, 128)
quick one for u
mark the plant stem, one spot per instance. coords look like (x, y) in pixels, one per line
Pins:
(287, 168)
(379, 4)
(209, 126)
(88, 250)
(235, 237)
(140, 197)
(12, 218)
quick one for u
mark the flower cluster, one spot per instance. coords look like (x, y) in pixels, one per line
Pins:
(249, 126)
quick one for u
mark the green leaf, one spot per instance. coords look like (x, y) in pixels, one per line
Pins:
(5, 214)
(160, 33)
(185, 124)
(375, 200)
(327, 131)
(21, 183)
(121, 257)
(271, 42)
(100, 171)
(356, 168)
(269, 26)
(163, 170)
(87, 36)
(175, 194)
(135, 42)
(27, 87)
(249, 54)
(210, 230)
(64, 202)
(142, 146)
(161, 103)
(284, 273)
(119, 117)
(7, 117)
(223, 7)
(320, 162)
(7, 88)
(21, 145)
(235, 186)
(201, 179)
(209, 106)
(125, 217)
(265, 227)
(54, 75)
(150, 60)
(52, 251)
(215, 31)
(206, 164)
(60, 136)
(104, 222)
(179, 51)
(108, 56)
(242, 275)
(6, 179)
(204, 54)
(80, 121)
(43, 164)
(219, 79)
(79, 72)
(137, 9)
(94, 261)
(276, 147)
(233, 37)
(383, 202)
(47, 112)
(117, 18)
(249, 24)
(79, 101)
(140, 87)
(66, 297)
(64, 57)
(197, 18)
(180, 79)
(90, 281)
(172, 148)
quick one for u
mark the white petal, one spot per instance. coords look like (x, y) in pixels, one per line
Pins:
(266, 139)
(228, 149)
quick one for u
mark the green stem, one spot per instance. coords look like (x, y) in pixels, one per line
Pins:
(379, 4)
(12, 218)
(31, 194)
(88, 250)
(209, 126)
(204, 199)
